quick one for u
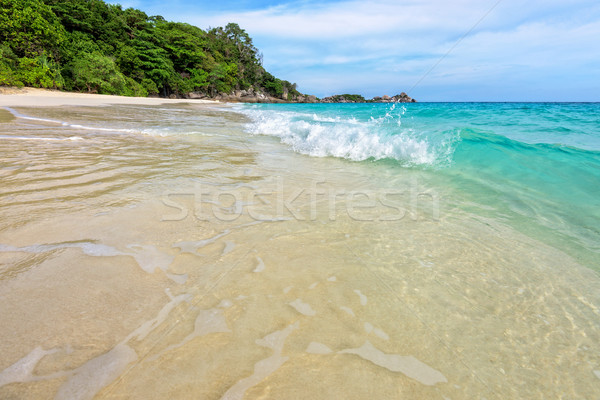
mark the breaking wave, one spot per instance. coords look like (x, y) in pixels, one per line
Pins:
(353, 134)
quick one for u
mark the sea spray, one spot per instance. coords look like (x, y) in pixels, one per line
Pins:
(355, 132)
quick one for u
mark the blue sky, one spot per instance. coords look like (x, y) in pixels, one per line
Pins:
(539, 50)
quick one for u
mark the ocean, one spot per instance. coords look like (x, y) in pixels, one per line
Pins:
(421, 250)
(533, 166)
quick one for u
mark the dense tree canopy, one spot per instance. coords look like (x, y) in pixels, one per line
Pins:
(88, 45)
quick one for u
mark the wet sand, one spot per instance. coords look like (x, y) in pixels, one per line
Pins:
(139, 262)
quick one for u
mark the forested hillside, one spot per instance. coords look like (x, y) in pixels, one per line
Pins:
(91, 46)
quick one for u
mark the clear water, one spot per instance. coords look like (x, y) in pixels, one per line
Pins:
(423, 251)
(534, 165)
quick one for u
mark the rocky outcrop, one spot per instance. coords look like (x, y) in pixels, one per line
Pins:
(307, 99)
(248, 96)
(237, 96)
(399, 98)
(344, 98)
(253, 95)
(356, 98)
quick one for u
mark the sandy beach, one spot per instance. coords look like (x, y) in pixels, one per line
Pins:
(32, 97)
(153, 248)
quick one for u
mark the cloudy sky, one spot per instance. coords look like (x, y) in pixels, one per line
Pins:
(435, 50)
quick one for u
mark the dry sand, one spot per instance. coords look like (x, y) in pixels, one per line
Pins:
(31, 97)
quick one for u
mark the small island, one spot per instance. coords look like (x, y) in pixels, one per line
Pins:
(357, 98)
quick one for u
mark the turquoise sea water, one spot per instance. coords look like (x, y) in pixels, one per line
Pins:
(533, 166)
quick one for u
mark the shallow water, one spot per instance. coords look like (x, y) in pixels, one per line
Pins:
(168, 252)
(535, 166)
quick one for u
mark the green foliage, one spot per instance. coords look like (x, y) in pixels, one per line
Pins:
(134, 88)
(38, 72)
(355, 97)
(98, 74)
(8, 64)
(30, 27)
(144, 58)
(198, 79)
(278, 88)
(350, 98)
(233, 45)
(8, 57)
(77, 43)
(274, 87)
(184, 44)
(89, 45)
(149, 86)
(31, 73)
(8, 76)
(102, 22)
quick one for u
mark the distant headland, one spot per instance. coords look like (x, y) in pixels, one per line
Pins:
(356, 98)
(257, 96)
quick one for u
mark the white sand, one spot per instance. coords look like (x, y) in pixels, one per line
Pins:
(31, 97)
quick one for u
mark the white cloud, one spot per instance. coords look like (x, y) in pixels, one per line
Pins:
(352, 19)
(384, 45)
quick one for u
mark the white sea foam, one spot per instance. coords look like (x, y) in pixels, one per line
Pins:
(263, 368)
(348, 310)
(317, 348)
(147, 257)
(97, 373)
(303, 308)
(377, 137)
(408, 365)
(22, 370)
(369, 328)
(260, 266)
(207, 322)
(180, 279)
(39, 138)
(143, 330)
(67, 124)
(362, 297)
(229, 246)
(193, 246)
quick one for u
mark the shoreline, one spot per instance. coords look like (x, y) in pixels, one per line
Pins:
(25, 96)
